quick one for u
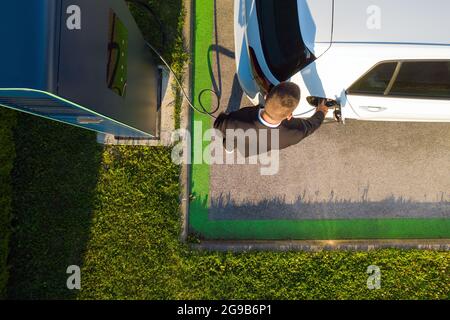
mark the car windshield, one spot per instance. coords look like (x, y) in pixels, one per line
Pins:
(281, 39)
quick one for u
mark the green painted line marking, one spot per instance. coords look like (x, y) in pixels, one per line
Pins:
(324, 229)
(275, 229)
(203, 34)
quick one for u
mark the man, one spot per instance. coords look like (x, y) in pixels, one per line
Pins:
(276, 115)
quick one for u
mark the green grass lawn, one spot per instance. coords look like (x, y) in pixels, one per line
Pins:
(114, 211)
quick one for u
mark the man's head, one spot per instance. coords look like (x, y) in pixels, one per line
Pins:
(282, 101)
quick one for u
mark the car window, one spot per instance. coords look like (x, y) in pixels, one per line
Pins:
(281, 39)
(423, 79)
(376, 81)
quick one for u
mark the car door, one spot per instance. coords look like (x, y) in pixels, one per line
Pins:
(407, 90)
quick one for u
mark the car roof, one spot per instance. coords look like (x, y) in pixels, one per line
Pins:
(386, 21)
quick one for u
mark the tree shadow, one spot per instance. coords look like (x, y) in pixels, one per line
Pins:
(224, 207)
(54, 179)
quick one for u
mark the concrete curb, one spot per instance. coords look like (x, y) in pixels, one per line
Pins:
(323, 245)
(186, 117)
(273, 245)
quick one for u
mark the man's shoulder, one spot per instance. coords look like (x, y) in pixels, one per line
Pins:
(251, 112)
(292, 124)
(246, 115)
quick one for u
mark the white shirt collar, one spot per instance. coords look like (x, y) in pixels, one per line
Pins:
(264, 122)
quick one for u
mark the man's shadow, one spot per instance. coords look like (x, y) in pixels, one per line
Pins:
(234, 101)
(309, 74)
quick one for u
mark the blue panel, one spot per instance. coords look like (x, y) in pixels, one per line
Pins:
(27, 33)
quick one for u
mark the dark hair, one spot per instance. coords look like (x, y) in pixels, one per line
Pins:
(282, 100)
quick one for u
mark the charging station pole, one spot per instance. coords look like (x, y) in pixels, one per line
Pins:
(80, 62)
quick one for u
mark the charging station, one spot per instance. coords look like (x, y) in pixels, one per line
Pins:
(80, 62)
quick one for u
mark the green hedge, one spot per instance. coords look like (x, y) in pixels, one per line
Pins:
(134, 252)
(7, 121)
(125, 236)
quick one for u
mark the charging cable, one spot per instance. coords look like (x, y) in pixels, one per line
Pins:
(203, 109)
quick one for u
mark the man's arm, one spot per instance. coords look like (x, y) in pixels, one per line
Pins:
(312, 124)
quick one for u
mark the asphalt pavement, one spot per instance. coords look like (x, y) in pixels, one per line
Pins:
(358, 170)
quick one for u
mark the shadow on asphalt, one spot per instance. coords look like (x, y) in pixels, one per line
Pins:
(225, 207)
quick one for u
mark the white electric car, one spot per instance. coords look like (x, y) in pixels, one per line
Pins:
(386, 60)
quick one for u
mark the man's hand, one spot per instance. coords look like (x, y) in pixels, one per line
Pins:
(322, 107)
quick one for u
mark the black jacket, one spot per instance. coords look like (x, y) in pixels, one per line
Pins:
(290, 131)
